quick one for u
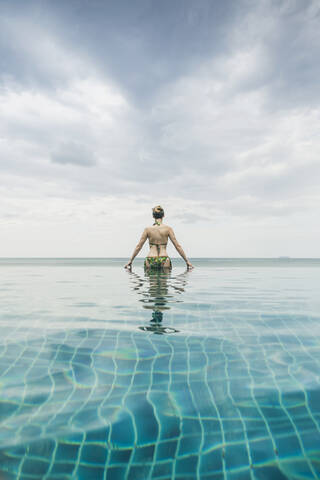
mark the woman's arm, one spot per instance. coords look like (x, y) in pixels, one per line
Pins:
(178, 247)
(140, 244)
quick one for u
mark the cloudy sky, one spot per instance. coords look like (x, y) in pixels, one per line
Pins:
(210, 108)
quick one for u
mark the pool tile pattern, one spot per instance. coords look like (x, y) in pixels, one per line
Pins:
(238, 398)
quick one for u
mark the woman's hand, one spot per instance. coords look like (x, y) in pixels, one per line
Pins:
(189, 265)
(128, 266)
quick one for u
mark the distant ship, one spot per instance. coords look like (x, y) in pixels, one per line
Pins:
(283, 258)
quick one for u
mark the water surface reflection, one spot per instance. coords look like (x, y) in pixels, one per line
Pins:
(157, 290)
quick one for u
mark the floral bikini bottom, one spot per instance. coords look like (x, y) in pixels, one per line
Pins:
(156, 263)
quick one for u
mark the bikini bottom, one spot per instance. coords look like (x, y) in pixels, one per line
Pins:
(156, 263)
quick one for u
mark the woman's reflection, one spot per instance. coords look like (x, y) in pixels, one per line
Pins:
(157, 289)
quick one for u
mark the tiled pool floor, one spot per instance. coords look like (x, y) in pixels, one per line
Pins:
(213, 374)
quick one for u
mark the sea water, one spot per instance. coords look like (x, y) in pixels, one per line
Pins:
(208, 374)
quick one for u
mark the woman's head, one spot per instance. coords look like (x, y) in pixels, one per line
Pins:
(157, 212)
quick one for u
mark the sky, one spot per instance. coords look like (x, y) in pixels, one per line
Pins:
(209, 108)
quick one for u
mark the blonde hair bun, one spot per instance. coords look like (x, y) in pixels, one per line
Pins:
(158, 211)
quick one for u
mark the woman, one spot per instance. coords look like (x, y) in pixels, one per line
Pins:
(158, 236)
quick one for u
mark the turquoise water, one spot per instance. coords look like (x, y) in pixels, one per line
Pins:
(208, 374)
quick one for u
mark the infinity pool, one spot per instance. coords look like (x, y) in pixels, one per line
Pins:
(208, 374)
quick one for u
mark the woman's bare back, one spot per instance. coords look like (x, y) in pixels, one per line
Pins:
(158, 238)
(158, 235)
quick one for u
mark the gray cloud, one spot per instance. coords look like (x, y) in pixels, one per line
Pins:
(214, 103)
(145, 45)
(187, 217)
(73, 153)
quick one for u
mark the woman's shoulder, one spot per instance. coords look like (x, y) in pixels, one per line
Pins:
(167, 227)
(151, 228)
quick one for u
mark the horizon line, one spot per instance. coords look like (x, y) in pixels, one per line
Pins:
(176, 258)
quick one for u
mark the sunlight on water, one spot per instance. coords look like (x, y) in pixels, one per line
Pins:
(209, 374)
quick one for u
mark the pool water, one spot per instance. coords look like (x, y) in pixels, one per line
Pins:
(208, 374)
